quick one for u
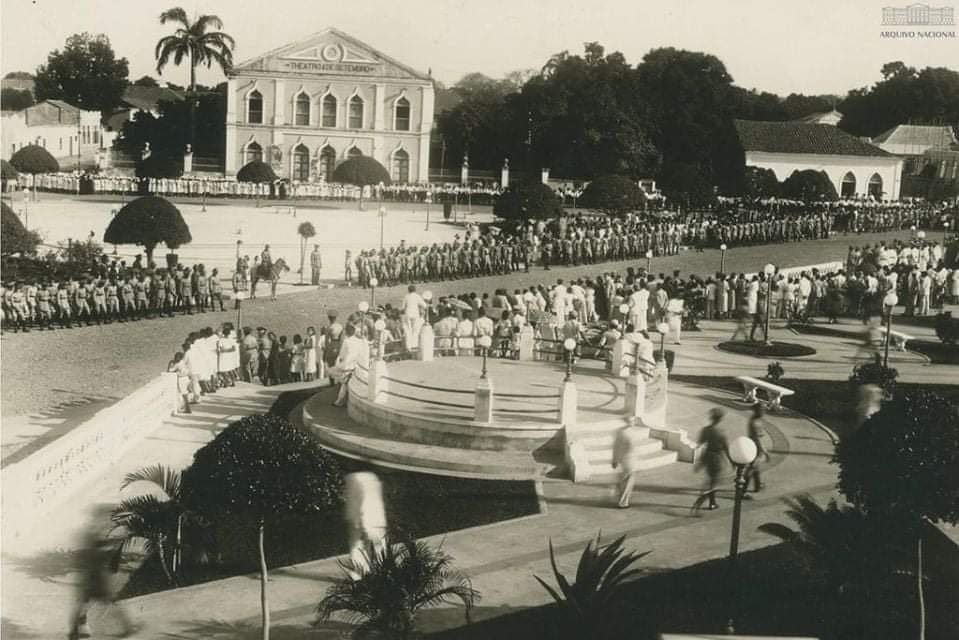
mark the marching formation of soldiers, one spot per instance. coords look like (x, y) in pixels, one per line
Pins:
(113, 294)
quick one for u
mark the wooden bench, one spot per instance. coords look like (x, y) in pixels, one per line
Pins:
(774, 392)
(286, 210)
(898, 338)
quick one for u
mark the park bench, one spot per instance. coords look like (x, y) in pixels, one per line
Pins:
(286, 210)
(898, 338)
(774, 392)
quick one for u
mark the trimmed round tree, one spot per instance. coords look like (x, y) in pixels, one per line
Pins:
(306, 230)
(613, 195)
(34, 159)
(361, 171)
(148, 221)
(257, 172)
(760, 183)
(14, 237)
(524, 200)
(809, 185)
(262, 467)
(7, 171)
(903, 463)
(687, 184)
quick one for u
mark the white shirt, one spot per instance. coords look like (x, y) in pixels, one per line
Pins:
(412, 304)
(353, 350)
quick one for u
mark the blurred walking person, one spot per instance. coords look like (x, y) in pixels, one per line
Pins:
(712, 457)
(626, 460)
(365, 519)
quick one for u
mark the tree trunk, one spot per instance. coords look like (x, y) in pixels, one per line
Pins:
(148, 248)
(922, 601)
(192, 99)
(302, 250)
(264, 604)
(163, 561)
(178, 552)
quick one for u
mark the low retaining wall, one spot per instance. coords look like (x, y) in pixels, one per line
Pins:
(45, 479)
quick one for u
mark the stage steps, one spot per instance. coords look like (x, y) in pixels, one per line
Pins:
(598, 440)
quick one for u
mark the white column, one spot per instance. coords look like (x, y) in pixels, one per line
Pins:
(379, 107)
(279, 103)
(231, 100)
(232, 152)
(483, 401)
(568, 399)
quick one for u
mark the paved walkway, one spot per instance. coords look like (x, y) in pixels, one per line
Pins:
(500, 558)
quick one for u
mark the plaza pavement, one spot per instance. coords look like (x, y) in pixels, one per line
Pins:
(501, 558)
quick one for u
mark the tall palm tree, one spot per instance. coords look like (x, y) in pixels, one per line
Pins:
(193, 40)
(156, 518)
(384, 596)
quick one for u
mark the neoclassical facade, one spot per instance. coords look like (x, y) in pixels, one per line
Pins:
(309, 105)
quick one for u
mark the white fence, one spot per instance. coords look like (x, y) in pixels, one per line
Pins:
(45, 479)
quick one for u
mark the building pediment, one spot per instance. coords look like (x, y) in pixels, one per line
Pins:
(330, 53)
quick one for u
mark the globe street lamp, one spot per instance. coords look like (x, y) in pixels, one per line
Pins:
(722, 259)
(569, 346)
(484, 343)
(649, 260)
(363, 306)
(769, 270)
(624, 310)
(742, 453)
(373, 283)
(890, 301)
(945, 232)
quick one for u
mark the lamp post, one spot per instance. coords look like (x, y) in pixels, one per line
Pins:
(742, 452)
(569, 346)
(484, 343)
(382, 214)
(373, 283)
(378, 327)
(945, 232)
(240, 296)
(722, 259)
(769, 270)
(649, 260)
(429, 201)
(623, 311)
(890, 301)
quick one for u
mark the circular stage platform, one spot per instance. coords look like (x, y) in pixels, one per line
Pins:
(423, 418)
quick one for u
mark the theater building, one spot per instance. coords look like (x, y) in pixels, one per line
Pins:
(310, 105)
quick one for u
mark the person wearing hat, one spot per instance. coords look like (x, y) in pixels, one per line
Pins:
(713, 453)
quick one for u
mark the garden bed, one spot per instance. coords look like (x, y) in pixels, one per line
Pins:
(762, 350)
(937, 352)
(419, 504)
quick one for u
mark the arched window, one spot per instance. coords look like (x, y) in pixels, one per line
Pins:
(301, 163)
(356, 112)
(875, 186)
(327, 162)
(254, 152)
(848, 185)
(401, 115)
(400, 171)
(254, 108)
(353, 153)
(301, 115)
(329, 111)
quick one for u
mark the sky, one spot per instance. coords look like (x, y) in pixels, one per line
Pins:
(781, 46)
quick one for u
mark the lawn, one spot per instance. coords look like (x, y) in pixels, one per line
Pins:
(419, 504)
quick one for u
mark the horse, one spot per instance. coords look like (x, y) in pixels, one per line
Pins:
(271, 273)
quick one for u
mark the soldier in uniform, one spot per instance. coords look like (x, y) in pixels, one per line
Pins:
(99, 301)
(348, 269)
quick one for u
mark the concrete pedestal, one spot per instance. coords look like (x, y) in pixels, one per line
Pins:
(635, 395)
(376, 385)
(621, 354)
(484, 401)
(568, 399)
(426, 344)
(526, 341)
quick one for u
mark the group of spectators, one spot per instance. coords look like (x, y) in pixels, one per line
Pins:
(111, 291)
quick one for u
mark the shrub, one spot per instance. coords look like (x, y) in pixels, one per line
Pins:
(687, 184)
(809, 185)
(7, 171)
(524, 200)
(361, 171)
(613, 195)
(875, 373)
(947, 327)
(760, 183)
(148, 221)
(34, 159)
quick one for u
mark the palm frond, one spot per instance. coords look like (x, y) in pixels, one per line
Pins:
(176, 14)
(203, 22)
(163, 477)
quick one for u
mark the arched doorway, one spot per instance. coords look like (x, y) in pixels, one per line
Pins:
(400, 169)
(327, 163)
(848, 188)
(254, 152)
(354, 152)
(301, 163)
(875, 186)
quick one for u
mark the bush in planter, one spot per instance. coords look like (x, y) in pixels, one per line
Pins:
(875, 373)
(774, 372)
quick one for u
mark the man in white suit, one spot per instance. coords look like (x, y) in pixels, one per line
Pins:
(353, 351)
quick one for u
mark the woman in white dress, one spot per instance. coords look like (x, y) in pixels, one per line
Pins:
(298, 359)
(464, 332)
(310, 346)
(225, 347)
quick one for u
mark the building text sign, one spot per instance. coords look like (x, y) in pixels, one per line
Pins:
(331, 67)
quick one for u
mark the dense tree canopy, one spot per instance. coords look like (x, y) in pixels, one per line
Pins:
(361, 171)
(170, 131)
(904, 95)
(760, 183)
(7, 171)
(148, 221)
(86, 73)
(34, 159)
(15, 99)
(809, 185)
(160, 164)
(256, 171)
